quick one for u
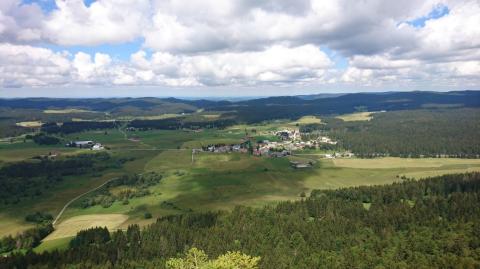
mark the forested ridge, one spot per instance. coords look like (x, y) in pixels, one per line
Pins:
(411, 133)
(431, 223)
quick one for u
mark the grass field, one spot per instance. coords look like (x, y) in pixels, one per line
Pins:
(359, 116)
(53, 244)
(308, 120)
(18, 151)
(222, 181)
(71, 226)
(67, 111)
(153, 117)
(30, 124)
(11, 226)
(391, 162)
(210, 182)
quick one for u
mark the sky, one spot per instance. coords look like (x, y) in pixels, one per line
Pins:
(192, 48)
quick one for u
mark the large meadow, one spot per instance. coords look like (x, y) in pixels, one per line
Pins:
(199, 181)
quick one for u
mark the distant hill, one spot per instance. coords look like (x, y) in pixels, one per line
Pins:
(319, 96)
(261, 108)
(294, 107)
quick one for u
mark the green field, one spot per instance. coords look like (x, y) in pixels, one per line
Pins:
(54, 244)
(222, 181)
(359, 116)
(66, 111)
(211, 181)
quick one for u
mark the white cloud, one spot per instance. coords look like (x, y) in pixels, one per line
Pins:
(275, 64)
(103, 22)
(242, 43)
(87, 70)
(31, 66)
(20, 23)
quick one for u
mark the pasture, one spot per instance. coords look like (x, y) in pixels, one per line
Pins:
(71, 226)
(359, 116)
(392, 162)
(67, 111)
(223, 181)
(212, 181)
(54, 244)
(29, 124)
(308, 120)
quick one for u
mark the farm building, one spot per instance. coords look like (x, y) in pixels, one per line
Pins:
(84, 144)
(300, 165)
(97, 146)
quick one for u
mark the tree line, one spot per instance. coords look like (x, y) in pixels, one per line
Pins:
(180, 123)
(77, 126)
(431, 223)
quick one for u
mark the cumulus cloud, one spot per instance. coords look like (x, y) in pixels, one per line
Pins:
(31, 66)
(27, 65)
(104, 21)
(20, 23)
(243, 43)
(445, 51)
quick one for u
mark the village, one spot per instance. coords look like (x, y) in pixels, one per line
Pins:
(289, 141)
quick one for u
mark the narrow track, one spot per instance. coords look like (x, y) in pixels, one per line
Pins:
(76, 198)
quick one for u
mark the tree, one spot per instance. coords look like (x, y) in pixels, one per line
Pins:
(197, 259)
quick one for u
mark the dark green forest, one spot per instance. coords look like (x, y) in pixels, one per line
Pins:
(27, 180)
(411, 133)
(77, 126)
(431, 223)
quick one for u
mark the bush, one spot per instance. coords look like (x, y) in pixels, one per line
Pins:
(147, 215)
(43, 139)
(39, 217)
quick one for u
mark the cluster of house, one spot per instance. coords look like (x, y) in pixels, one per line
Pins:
(222, 148)
(346, 154)
(288, 135)
(271, 149)
(327, 140)
(271, 152)
(290, 140)
(85, 144)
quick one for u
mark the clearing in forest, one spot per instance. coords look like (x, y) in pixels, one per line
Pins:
(308, 120)
(72, 226)
(30, 124)
(66, 111)
(359, 116)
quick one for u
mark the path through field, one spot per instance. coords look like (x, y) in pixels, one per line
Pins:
(77, 197)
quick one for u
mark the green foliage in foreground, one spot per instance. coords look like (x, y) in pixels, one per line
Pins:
(432, 223)
(197, 259)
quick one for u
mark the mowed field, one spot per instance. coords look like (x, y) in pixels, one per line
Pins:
(71, 226)
(359, 116)
(30, 124)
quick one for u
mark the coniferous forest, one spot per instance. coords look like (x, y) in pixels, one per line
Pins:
(411, 133)
(431, 223)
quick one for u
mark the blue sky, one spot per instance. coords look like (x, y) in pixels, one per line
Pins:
(436, 13)
(229, 48)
